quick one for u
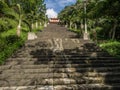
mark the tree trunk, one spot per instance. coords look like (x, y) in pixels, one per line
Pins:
(36, 25)
(32, 26)
(70, 25)
(110, 33)
(66, 25)
(40, 24)
(19, 28)
(75, 26)
(82, 26)
(114, 30)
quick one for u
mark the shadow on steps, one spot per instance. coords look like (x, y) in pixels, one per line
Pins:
(89, 65)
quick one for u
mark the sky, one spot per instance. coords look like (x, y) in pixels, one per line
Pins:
(55, 6)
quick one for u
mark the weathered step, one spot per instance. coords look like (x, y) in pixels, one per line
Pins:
(64, 41)
(35, 61)
(63, 58)
(31, 76)
(58, 81)
(20, 62)
(64, 70)
(65, 87)
(92, 54)
(85, 63)
(76, 63)
(47, 81)
(68, 65)
(73, 53)
(57, 63)
(30, 65)
(107, 75)
(84, 55)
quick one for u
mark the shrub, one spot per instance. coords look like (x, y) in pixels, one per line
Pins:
(113, 47)
(9, 42)
(2, 44)
(11, 39)
(6, 24)
(9, 47)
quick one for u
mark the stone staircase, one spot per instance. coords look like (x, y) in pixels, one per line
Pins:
(60, 64)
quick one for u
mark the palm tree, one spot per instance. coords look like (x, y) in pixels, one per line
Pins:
(19, 21)
(21, 11)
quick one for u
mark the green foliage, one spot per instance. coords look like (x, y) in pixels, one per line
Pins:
(103, 21)
(3, 26)
(9, 49)
(40, 28)
(6, 24)
(9, 43)
(12, 39)
(2, 44)
(18, 12)
(21, 11)
(7, 16)
(102, 16)
(113, 47)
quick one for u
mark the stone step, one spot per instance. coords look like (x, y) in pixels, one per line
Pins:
(20, 63)
(86, 63)
(64, 41)
(67, 64)
(81, 54)
(49, 50)
(99, 53)
(43, 58)
(69, 50)
(65, 87)
(63, 70)
(57, 81)
(13, 61)
(60, 75)
(57, 65)
(67, 56)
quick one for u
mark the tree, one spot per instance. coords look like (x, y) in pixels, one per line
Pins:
(22, 11)
(108, 10)
(103, 16)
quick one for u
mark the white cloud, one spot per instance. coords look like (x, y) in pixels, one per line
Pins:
(51, 13)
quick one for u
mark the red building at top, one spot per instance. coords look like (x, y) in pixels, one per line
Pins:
(54, 20)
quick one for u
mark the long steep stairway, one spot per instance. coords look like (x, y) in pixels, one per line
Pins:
(60, 63)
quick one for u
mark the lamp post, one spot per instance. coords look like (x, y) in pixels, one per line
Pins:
(86, 34)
